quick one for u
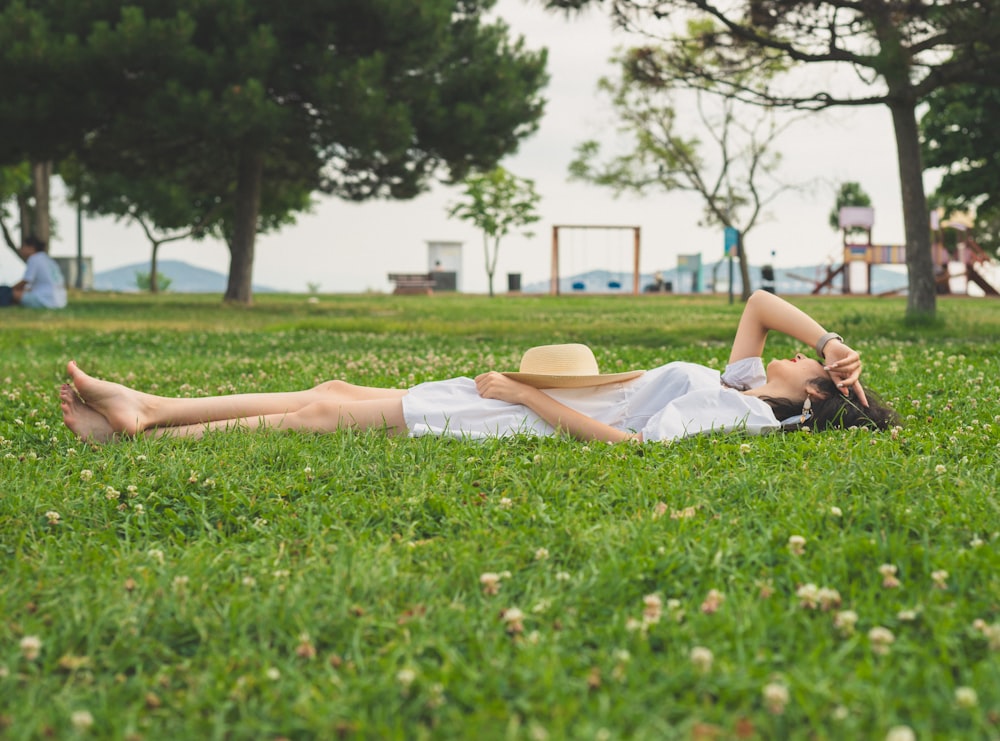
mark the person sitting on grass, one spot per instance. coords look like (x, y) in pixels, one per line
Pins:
(558, 389)
(42, 286)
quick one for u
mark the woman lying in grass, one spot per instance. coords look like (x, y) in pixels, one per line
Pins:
(557, 390)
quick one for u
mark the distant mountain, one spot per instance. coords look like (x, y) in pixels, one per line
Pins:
(184, 278)
(787, 280)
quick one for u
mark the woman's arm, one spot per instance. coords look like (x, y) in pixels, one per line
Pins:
(493, 385)
(765, 312)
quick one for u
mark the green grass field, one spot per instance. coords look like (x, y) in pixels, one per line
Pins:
(281, 585)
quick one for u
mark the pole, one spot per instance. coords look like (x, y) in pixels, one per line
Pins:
(635, 262)
(79, 246)
(554, 270)
(731, 277)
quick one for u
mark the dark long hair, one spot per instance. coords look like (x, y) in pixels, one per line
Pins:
(835, 410)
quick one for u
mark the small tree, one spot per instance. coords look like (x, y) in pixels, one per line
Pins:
(725, 154)
(850, 194)
(496, 202)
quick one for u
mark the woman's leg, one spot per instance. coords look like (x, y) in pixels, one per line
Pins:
(130, 412)
(321, 416)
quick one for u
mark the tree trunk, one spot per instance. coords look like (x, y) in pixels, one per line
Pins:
(154, 283)
(922, 299)
(490, 267)
(744, 270)
(239, 289)
(41, 178)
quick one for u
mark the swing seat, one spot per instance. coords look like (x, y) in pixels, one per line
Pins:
(615, 285)
(579, 285)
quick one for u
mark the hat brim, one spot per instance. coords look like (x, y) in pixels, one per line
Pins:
(543, 381)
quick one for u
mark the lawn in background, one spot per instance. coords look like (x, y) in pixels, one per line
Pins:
(283, 585)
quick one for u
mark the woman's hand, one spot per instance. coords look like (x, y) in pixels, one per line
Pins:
(844, 366)
(494, 385)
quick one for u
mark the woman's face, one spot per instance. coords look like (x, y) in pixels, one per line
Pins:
(797, 371)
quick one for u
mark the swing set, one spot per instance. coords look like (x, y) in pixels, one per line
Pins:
(613, 284)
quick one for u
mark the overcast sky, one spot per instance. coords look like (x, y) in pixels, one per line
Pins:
(350, 247)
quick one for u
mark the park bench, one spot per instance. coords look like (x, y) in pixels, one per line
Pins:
(410, 283)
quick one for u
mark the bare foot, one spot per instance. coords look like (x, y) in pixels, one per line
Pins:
(87, 423)
(122, 408)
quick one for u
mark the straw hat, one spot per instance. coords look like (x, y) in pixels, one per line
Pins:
(564, 366)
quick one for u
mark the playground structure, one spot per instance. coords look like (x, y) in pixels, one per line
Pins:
(966, 252)
(613, 286)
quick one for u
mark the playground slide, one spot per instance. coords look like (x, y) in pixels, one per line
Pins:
(973, 274)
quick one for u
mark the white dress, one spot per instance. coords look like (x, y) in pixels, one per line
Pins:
(673, 401)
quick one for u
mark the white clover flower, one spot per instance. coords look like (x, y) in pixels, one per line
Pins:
(31, 647)
(563, 576)
(653, 608)
(701, 658)
(881, 639)
(888, 572)
(506, 503)
(940, 579)
(940, 468)
(836, 511)
(844, 621)
(775, 697)
(156, 554)
(966, 697)
(490, 582)
(900, 733)
(406, 677)
(541, 554)
(81, 719)
(713, 601)
(273, 673)
(828, 598)
(745, 448)
(514, 620)
(796, 545)
(808, 595)
(53, 517)
(86, 474)
(906, 616)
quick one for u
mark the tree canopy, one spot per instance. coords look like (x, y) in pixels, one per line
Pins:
(961, 137)
(253, 103)
(715, 147)
(896, 53)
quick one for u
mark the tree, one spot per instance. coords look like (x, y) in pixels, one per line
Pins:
(850, 194)
(735, 180)
(15, 190)
(901, 51)
(361, 100)
(496, 202)
(960, 137)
